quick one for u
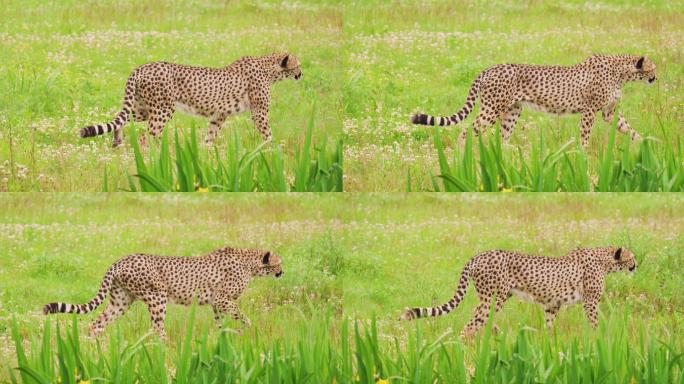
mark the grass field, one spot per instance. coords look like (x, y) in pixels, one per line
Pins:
(367, 67)
(352, 263)
(408, 57)
(65, 65)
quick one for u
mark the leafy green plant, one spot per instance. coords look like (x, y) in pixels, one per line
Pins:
(493, 168)
(320, 351)
(188, 167)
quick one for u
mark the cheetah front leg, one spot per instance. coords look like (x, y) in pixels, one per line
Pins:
(587, 123)
(260, 118)
(624, 128)
(608, 112)
(156, 305)
(622, 125)
(591, 310)
(259, 103)
(550, 313)
(224, 305)
(214, 127)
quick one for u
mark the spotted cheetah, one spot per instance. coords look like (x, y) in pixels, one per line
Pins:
(155, 90)
(585, 88)
(552, 282)
(217, 279)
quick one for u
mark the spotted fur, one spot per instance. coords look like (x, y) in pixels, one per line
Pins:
(217, 279)
(551, 282)
(156, 90)
(586, 88)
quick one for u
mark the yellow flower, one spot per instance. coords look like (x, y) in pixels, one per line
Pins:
(84, 382)
(200, 189)
(382, 381)
(507, 190)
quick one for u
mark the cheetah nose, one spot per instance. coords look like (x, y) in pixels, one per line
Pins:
(297, 76)
(632, 268)
(652, 79)
(279, 274)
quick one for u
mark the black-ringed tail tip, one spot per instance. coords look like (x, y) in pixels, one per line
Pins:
(423, 119)
(50, 308)
(407, 315)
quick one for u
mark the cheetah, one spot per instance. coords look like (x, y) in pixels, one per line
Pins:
(154, 91)
(552, 282)
(217, 279)
(585, 88)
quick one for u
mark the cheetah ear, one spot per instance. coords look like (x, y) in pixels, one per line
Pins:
(640, 63)
(618, 253)
(267, 255)
(283, 63)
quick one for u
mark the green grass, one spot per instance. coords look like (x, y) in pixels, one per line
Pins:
(65, 65)
(491, 168)
(404, 58)
(361, 357)
(352, 263)
(368, 65)
(315, 169)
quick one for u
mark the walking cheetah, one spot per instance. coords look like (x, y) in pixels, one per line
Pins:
(552, 282)
(216, 279)
(155, 90)
(585, 88)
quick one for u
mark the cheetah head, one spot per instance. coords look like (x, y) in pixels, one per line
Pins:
(643, 70)
(623, 260)
(289, 67)
(270, 264)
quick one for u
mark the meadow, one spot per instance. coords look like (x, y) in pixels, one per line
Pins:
(65, 65)
(352, 263)
(405, 57)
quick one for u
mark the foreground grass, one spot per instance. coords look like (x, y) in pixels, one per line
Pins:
(401, 61)
(490, 168)
(65, 65)
(350, 261)
(318, 352)
(186, 167)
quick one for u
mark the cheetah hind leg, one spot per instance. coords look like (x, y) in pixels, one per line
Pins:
(508, 121)
(139, 113)
(481, 313)
(477, 321)
(119, 301)
(157, 119)
(485, 118)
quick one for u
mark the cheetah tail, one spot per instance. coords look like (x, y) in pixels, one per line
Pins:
(414, 313)
(83, 308)
(120, 119)
(423, 119)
